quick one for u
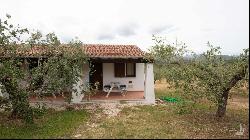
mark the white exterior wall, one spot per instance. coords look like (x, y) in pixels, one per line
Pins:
(149, 84)
(137, 82)
(3, 93)
(81, 84)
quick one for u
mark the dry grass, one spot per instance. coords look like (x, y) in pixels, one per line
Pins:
(150, 121)
(162, 121)
(161, 85)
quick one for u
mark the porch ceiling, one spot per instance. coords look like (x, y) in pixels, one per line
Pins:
(118, 60)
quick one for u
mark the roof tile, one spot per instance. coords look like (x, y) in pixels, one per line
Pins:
(92, 50)
(104, 50)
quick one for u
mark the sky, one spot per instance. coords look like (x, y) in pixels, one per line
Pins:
(223, 23)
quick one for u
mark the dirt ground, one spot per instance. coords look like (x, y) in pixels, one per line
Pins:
(105, 116)
(109, 115)
(236, 101)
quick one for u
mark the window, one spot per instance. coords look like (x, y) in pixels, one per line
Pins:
(125, 69)
(119, 70)
(130, 69)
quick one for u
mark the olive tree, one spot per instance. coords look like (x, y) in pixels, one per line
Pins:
(207, 75)
(57, 70)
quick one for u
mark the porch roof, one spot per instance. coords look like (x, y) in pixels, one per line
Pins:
(92, 50)
(103, 52)
(113, 51)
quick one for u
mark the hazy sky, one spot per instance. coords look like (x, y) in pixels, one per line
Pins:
(222, 22)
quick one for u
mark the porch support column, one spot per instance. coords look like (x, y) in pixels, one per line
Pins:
(149, 84)
(76, 94)
(81, 85)
(1, 94)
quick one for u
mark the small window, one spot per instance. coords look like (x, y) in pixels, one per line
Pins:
(130, 69)
(124, 69)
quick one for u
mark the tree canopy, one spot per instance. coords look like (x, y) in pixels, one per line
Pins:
(56, 69)
(207, 75)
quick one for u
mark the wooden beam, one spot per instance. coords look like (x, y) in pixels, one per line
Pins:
(118, 60)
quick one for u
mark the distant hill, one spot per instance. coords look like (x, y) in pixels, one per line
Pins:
(225, 57)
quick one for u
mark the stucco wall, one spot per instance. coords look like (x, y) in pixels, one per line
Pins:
(1, 94)
(149, 84)
(81, 85)
(137, 82)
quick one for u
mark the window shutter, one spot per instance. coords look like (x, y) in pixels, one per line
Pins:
(119, 70)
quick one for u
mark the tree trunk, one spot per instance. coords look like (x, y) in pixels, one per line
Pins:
(14, 114)
(221, 111)
(222, 102)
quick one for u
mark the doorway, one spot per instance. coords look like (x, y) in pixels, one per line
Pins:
(96, 74)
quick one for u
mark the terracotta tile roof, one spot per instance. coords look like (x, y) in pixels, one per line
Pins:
(91, 50)
(34, 51)
(37, 51)
(118, 51)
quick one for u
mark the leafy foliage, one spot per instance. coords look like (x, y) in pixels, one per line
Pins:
(57, 67)
(91, 90)
(201, 76)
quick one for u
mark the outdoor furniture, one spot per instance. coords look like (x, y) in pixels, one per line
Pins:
(117, 86)
(123, 89)
(106, 88)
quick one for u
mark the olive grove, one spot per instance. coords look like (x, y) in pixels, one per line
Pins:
(207, 75)
(56, 69)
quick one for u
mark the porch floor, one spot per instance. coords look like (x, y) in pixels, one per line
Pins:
(130, 95)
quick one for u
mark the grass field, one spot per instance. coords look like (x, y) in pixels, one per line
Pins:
(163, 121)
(147, 121)
(51, 125)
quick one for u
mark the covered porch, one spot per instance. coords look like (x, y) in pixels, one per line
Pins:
(99, 96)
(114, 70)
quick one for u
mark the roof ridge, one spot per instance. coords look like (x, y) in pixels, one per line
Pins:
(110, 44)
(113, 50)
